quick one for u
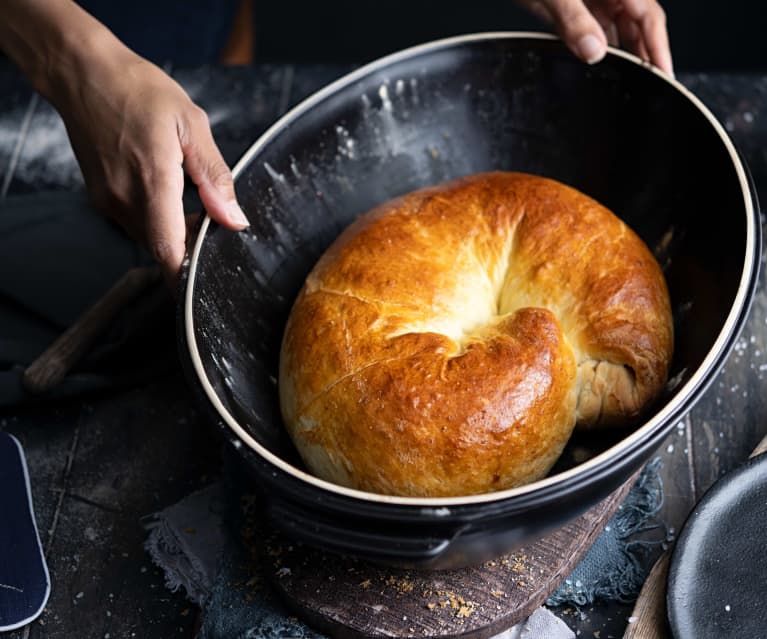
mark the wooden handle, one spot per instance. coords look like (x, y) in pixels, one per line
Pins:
(59, 358)
(761, 447)
(649, 614)
(648, 619)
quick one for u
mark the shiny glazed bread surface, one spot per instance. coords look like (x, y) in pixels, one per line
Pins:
(449, 340)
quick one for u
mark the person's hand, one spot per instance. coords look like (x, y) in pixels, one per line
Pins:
(588, 26)
(133, 128)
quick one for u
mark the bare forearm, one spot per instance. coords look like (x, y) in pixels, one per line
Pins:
(50, 39)
(133, 128)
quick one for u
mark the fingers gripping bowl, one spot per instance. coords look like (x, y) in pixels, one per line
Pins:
(627, 136)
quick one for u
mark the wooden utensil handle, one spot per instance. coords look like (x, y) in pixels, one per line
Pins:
(761, 447)
(58, 359)
(648, 619)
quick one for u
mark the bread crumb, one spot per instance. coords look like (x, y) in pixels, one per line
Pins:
(519, 564)
(402, 585)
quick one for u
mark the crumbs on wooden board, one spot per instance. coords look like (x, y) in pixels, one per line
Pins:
(451, 602)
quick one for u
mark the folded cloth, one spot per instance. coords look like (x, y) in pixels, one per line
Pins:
(58, 257)
(198, 544)
(189, 539)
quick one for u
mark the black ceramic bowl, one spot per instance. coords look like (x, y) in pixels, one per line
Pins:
(620, 131)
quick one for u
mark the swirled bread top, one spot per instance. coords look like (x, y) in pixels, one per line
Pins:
(449, 340)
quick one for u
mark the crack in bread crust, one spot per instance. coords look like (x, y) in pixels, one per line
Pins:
(448, 341)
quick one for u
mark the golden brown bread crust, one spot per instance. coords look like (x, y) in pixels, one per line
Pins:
(448, 341)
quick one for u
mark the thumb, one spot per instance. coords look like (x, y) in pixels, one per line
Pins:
(209, 171)
(578, 28)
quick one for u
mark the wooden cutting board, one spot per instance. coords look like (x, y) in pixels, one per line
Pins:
(348, 598)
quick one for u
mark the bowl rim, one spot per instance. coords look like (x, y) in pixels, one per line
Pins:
(698, 381)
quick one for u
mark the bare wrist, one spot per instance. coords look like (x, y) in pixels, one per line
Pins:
(76, 55)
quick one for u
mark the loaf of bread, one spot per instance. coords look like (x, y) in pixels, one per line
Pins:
(450, 340)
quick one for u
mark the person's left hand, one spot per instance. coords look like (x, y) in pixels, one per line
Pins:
(588, 26)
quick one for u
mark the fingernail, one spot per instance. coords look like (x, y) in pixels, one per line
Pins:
(590, 48)
(671, 69)
(235, 214)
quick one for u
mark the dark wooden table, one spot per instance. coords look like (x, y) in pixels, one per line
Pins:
(100, 463)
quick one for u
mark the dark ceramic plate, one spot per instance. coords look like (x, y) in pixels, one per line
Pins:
(718, 571)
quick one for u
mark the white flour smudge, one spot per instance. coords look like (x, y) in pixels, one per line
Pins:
(383, 93)
(346, 143)
(46, 157)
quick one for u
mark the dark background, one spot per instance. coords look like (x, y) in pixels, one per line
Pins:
(705, 34)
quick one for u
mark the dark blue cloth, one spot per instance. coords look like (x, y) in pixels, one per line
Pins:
(182, 33)
(24, 581)
(57, 257)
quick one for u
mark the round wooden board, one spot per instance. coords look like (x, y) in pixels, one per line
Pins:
(347, 598)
